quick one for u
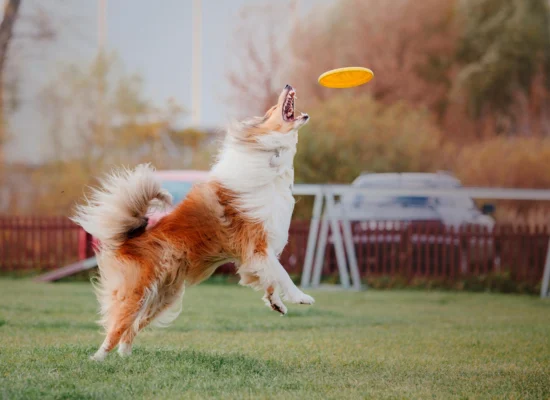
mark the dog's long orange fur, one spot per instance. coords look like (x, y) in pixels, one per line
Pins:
(206, 228)
(144, 273)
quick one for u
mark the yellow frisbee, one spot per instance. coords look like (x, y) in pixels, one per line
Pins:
(346, 77)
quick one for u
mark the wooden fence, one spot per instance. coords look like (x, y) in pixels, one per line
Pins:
(39, 243)
(433, 251)
(417, 250)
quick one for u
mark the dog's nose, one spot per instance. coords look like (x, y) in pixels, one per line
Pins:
(288, 86)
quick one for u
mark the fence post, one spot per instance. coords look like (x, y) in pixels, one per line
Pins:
(312, 238)
(546, 274)
(350, 250)
(410, 260)
(338, 243)
(320, 252)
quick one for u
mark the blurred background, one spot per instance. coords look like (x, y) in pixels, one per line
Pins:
(460, 99)
(461, 91)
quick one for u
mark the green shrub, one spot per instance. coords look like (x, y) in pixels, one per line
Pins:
(348, 135)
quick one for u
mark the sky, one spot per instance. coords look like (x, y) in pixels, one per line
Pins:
(151, 40)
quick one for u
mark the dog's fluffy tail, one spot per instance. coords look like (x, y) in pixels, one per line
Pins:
(118, 208)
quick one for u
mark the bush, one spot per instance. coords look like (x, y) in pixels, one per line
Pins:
(348, 135)
(494, 283)
(505, 162)
(508, 163)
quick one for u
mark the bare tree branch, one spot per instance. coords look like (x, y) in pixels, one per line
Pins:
(11, 11)
(259, 44)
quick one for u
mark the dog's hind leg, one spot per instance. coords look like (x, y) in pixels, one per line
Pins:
(162, 312)
(123, 316)
(125, 344)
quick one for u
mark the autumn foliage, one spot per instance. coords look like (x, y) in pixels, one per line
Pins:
(98, 118)
(350, 134)
(460, 85)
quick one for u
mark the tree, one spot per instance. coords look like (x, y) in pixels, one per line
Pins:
(349, 135)
(100, 112)
(33, 26)
(408, 44)
(11, 13)
(98, 118)
(503, 46)
(481, 67)
(20, 27)
(261, 50)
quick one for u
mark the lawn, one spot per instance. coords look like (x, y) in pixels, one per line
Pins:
(227, 344)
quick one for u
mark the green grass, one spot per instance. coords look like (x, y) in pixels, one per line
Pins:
(227, 344)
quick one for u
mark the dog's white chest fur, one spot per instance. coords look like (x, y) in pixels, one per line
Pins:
(263, 178)
(280, 209)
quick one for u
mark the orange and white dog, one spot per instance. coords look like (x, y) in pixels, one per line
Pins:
(240, 215)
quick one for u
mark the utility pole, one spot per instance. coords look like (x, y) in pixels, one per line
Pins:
(196, 60)
(101, 54)
(101, 24)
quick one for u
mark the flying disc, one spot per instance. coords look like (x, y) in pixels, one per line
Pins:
(348, 77)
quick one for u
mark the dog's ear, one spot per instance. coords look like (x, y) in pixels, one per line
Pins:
(270, 112)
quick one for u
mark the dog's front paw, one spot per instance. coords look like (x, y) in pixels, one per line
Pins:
(279, 307)
(300, 298)
(274, 302)
(306, 299)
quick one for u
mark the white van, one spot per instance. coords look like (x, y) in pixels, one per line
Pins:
(375, 212)
(449, 210)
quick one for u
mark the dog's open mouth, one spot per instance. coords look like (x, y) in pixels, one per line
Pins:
(288, 105)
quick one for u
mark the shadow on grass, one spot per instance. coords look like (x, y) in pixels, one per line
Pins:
(59, 324)
(217, 363)
(287, 323)
(66, 372)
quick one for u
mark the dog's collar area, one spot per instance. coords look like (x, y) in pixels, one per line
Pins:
(276, 152)
(274, 162)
